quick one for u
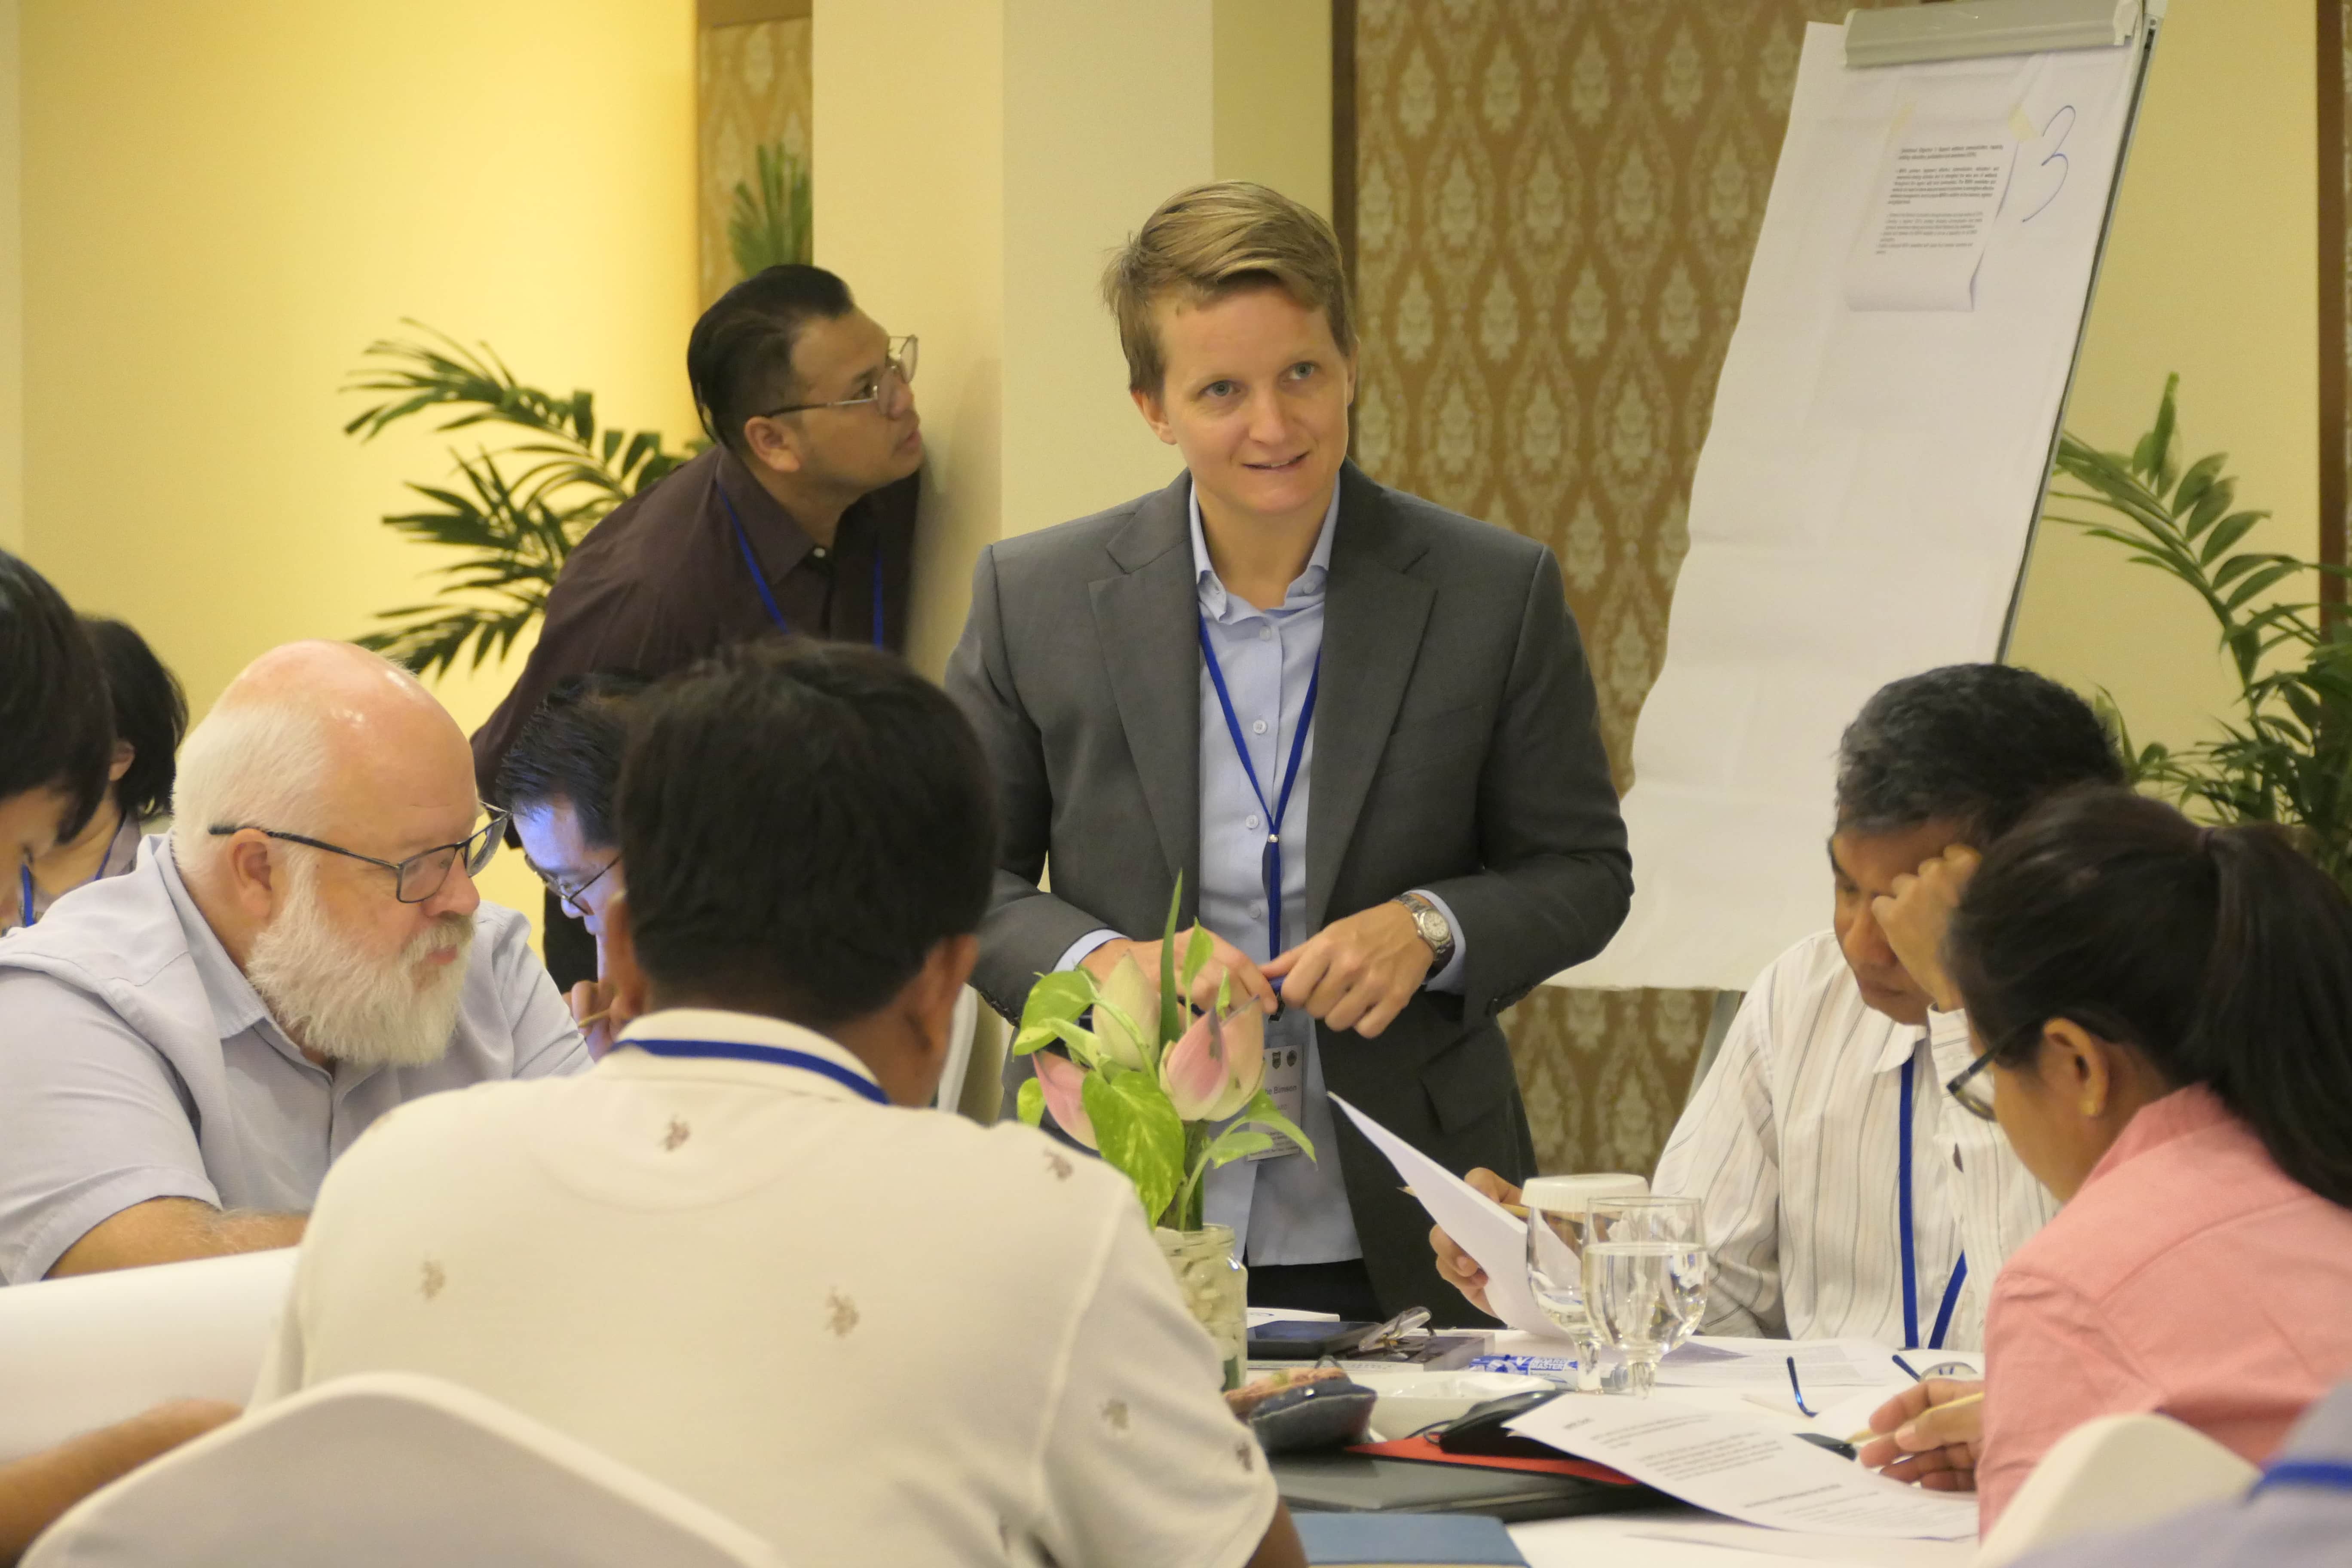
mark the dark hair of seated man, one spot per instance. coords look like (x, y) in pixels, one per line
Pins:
(804, 823)
(57, 731)
(569, 753)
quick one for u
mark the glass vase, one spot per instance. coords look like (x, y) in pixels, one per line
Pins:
(1215, 1288)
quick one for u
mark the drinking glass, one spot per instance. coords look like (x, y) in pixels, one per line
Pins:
(1556, 1208)
(1644, 1278)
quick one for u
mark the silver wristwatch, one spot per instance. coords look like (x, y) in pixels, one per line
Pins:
(1433, 927)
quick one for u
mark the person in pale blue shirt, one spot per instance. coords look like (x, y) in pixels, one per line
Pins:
(1286, 1211)
(184, 1048)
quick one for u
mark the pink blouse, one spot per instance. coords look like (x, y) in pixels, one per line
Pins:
(2189, 1276)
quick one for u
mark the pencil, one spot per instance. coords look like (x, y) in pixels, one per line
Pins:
(1517, 1211)
(1866, 1435)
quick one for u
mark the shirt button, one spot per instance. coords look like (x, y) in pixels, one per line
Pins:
(817, 551)
(1249, 822)
(1257, 911)
(1266, 634)
(1258, 728)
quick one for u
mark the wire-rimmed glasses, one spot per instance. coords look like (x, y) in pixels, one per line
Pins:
(886, 389)
(572, 898)
(416, 878)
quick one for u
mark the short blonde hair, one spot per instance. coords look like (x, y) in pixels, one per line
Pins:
(1213, 240)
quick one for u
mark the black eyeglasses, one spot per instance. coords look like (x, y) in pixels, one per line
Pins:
(420, 876)
(1975, 1095)
(879, 389)
(570, 897)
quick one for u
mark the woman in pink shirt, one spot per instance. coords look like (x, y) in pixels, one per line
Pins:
(2164, 1018)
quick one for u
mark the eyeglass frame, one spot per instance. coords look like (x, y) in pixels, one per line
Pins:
(1963, 1089)
(570, 897)
(901, 364)
(489, 835)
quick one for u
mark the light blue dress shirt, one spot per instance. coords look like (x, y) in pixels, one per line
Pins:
(1290, 1210)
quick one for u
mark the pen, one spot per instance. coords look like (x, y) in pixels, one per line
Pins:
(1517, 1211)
(1866, 1435)
(1909, 1370)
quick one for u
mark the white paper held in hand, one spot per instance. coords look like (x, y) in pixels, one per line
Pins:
(1488, 1231)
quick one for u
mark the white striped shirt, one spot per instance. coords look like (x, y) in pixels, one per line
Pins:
(1793, 1143)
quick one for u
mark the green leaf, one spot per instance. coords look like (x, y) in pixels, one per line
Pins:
(1030, 1102)
(2231, 529)
(2196, 486)
(1261, 1112)
(1196, 953)
(2256, 582)
(1058, 998)
(1138, 1131)
(1171, 1006)
(1235, 1143)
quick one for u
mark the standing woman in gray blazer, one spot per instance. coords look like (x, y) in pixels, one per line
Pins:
(1359, 728)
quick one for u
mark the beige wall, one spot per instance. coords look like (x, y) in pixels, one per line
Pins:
(12, 283)
(223, 204)
(1030, 137)
(2210, 271)
(1274, 96)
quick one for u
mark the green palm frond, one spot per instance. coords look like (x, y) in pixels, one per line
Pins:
(515, 512)
(772, 224)
(2286, 754)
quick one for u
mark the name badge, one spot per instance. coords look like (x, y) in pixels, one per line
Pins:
(1286, 1085)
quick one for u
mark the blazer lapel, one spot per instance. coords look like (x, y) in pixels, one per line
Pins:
(1373, 616)
(1147, 619)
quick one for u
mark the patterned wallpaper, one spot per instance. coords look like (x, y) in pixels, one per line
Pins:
(1556, 204)
(753, 88)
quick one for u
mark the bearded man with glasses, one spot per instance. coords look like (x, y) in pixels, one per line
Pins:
(800, 517)
(184, 1048)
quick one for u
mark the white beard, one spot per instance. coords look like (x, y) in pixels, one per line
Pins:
(335, 998)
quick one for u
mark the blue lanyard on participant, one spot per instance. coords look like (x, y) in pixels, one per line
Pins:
(24, 915)
(1910, 1262)
(760, 578)
(2323, 1473)
(1270, 863)
(775, 1056)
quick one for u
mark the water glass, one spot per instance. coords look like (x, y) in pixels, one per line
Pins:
(1557, 1209)
(1644, 1278)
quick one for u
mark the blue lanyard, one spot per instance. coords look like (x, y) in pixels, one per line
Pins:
(1910, 1263)
(775, 1056)
(1270, 863)
(760, 578)
(2323, 1473)
(24, 915)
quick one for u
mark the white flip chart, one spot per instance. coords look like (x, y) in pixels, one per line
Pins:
(1867, 491)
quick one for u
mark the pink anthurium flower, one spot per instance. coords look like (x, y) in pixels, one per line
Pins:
(1064, 1082)
(1139, 998)
(1217, 1067)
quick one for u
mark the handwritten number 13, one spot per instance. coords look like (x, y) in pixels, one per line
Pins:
(2057, 156)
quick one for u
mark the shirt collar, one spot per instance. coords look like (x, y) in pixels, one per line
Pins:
(733, 1028)
(236, 1005)
(777, 537)
(2161, 1121)
(1305, 587)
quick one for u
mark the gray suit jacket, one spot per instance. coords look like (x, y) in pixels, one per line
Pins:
(1455, 749)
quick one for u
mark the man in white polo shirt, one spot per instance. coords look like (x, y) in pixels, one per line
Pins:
(737, 1254)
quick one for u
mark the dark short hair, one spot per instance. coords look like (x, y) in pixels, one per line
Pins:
(803, 822)
(56, 728)
(739, 359)
(151, 713)
(1976, 744)
(569, 752)
(2220, 955)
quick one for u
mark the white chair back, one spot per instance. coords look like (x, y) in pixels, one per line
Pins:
(386, 1471)
(961, 1029)
(2109, 1474)
(93, 1349)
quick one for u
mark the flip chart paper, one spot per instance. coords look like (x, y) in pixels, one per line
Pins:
(1865, 493)
(1488, 1231)
(1743, 1468)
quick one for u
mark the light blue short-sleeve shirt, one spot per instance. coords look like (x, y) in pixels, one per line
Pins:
(137, 1062)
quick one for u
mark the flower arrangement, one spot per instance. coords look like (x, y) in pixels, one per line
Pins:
(1149, 1078)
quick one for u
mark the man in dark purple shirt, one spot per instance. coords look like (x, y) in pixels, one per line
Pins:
(800, 518)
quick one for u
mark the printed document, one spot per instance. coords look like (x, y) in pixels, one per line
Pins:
(1929, 217)
(1743, 1468)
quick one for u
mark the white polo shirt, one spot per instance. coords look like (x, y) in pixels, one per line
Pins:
(872, 1334)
